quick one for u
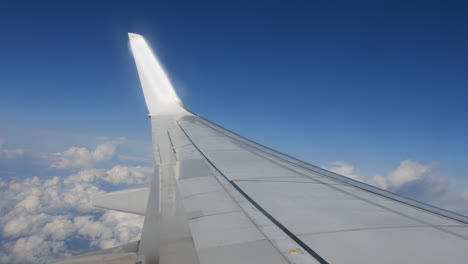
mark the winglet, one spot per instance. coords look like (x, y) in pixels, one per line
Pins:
(160, 96)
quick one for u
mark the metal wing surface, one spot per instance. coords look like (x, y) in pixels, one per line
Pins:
(217, 197)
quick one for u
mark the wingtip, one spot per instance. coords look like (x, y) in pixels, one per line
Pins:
(133, 36)
(160, 95)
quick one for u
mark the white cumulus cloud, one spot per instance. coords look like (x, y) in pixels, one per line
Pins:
(127, 174)
(407, 171)
(343, 168)
(81, 157)
(414, 180)
(45, 218)
(11, 153)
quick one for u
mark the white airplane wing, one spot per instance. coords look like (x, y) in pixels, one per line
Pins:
(217, 197)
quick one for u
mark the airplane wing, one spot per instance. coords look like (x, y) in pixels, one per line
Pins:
(216, 197)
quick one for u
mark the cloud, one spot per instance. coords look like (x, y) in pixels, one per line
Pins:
(127, 174)
(134, 158)
(408, 171)
(39, 216)
(11, 153)
(343, 168)
(117, 175)
(27, 249)
(80, 157)
(413, 180)
(51, 217)
(22, 162)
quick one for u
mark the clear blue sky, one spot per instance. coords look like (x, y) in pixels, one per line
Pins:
(363, 82)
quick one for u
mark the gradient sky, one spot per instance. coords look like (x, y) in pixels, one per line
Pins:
(380, 88)
(367, 83)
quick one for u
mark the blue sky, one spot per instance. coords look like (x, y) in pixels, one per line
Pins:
(364, 83)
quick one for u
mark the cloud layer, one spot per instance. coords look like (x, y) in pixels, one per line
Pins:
(51, 217)
(76, 157)
(413, 180)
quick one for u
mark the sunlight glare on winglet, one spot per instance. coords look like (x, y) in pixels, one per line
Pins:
(160, 96)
